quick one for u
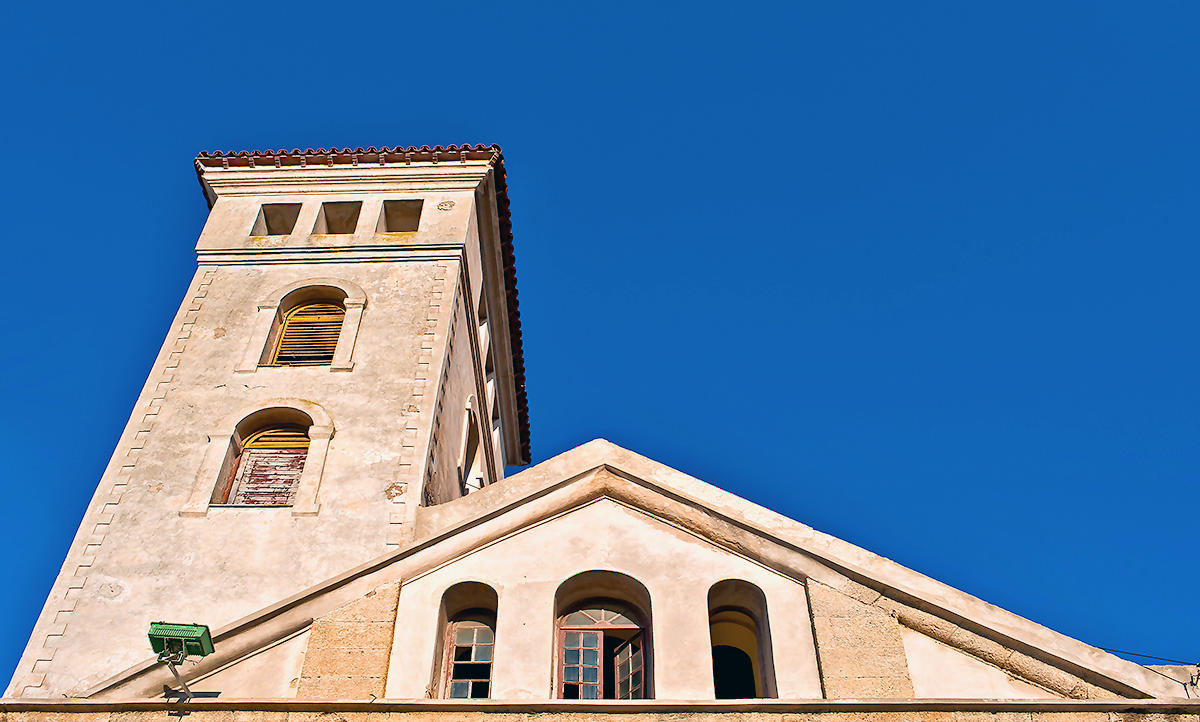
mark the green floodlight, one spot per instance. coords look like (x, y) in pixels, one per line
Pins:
(187, 640)
(175, 642)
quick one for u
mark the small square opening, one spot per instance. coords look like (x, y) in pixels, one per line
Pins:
(399, 216)
(338, 217)
(276, 219)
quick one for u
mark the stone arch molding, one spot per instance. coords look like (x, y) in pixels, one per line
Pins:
(226, 440)
(272, 306)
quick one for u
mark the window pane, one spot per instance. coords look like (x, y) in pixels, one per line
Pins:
(468, 670)
(464, 635)
(571, 656)
(591, 674)
(570, 691)
(483, 653)
(462, 654)
(572, 639)
(578, 619)
(479, 690)
(458, 690)
(484, 635)
(590, 692)
(591, 656)
(590, 639)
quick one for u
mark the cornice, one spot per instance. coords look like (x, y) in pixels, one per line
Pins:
(451, 177)
(593, 707)
(328, 254)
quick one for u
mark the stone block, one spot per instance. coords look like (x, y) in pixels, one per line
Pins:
(233, 715)
(981, 647)
(344, 662)
(827, 602)
(863, 663)
(874, 632)
(923, 622)
(1152, 717)
(1071, 717)
(340, 687)
(1049, 677)
(350, 635)
(857, 591)
(867, 688)
(377, 606)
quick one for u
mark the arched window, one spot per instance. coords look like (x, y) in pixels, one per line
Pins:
(603, 637)
(266, 468)
(471, 475)
(308, 334)
(310, 322)
(743, 666)
(464, 668)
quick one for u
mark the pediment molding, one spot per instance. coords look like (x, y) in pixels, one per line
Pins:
(600, 470)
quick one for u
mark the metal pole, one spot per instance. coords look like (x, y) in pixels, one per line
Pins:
(187, 693)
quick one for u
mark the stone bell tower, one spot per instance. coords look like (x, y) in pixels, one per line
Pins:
(348, 350)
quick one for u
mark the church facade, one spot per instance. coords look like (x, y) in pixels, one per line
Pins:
(315, 469)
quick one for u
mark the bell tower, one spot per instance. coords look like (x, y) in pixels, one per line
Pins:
(348, 351)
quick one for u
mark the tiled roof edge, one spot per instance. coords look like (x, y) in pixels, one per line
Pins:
(424, 154)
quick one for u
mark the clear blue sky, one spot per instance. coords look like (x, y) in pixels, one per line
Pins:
(921, 275)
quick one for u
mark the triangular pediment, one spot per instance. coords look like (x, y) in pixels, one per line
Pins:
(571, 504)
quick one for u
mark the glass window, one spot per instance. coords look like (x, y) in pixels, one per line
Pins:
(601, 652)
(469, 668)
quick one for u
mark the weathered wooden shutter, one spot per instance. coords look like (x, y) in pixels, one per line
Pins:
(309, 335)
(269, 467)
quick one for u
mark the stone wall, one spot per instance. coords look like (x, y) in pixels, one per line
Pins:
(859, 648)
(348, 650)
(429, 712)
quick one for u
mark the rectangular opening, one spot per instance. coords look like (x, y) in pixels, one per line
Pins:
(276, 219)
(338, 217)
(399, 216)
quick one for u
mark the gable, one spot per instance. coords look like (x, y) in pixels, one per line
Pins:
(830, 605)
(676, 567)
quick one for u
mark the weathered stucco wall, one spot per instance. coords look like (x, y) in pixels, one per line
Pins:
(526, 569)
(461, 382)
(939, 670)
(146, 550)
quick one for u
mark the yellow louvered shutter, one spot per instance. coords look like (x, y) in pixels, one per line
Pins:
(309, 335)
(269, 467)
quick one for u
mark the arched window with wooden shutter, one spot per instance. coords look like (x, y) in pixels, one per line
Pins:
(267, 469)
(308, 335)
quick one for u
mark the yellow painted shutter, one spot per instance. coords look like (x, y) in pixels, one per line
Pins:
(309, 335)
